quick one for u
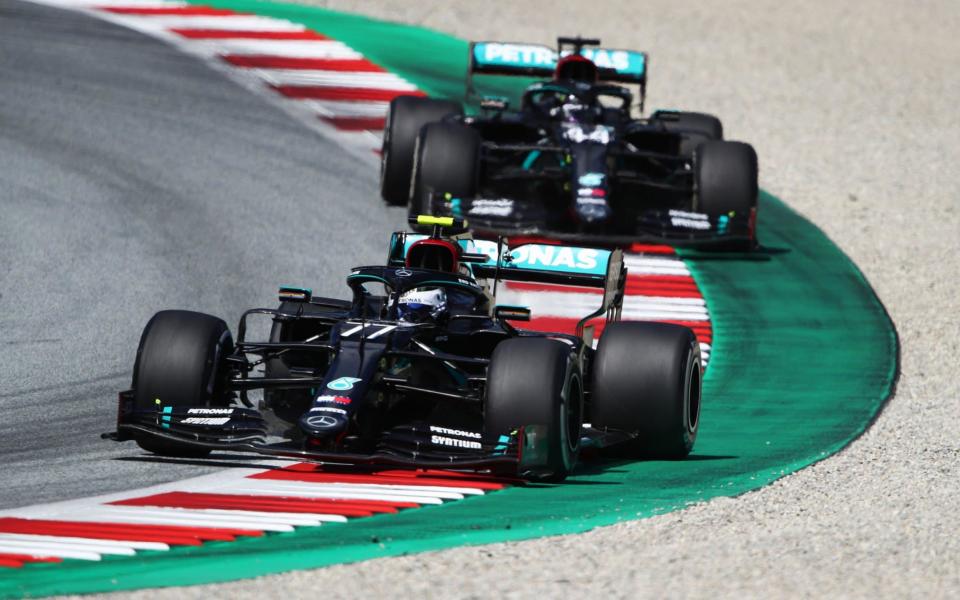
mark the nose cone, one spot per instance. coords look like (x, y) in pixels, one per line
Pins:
(318, 424)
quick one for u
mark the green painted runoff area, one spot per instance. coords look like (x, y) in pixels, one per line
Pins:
(804, 357)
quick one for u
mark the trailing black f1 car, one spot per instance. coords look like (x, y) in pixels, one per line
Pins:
(572, 163)
(422, 368)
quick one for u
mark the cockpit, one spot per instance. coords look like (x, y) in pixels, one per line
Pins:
(414, 295)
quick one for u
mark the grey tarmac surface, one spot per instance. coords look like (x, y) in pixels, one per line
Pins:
(135, 179)
(853, 110)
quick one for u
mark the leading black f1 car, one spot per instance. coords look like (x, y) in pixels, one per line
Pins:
(572, 163)
(422, 368)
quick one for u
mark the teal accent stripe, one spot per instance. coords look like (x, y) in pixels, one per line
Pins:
(531, 158)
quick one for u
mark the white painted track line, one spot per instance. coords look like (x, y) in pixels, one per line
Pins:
(93, 543)
(291, 48)
(32, 547)
(384, 81)
(372, 488)
(179, 516)
(307, 490)
(215, 515)
(223, 23)
(286, 518)
(122, 548)
(641, 265)
(291, 518)
(334, 108)
(52, 550)
(117, 3)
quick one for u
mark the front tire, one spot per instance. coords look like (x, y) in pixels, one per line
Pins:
(180, 363)
(694, 128)
(537, 381)
(647, 381)
(725, 176)
(405, 118)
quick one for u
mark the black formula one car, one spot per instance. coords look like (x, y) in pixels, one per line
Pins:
(421, 368)
(572, 163)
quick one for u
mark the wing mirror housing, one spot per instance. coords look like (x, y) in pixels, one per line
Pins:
(289, 293)
(511, 313)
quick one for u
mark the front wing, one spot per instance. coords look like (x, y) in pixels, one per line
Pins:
(521, 452)
(421, 446)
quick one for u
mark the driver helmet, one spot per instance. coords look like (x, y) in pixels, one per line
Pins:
(422, 305)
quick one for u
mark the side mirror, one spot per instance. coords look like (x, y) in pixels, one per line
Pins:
(497, 103)
(294, 294)
(511, 313)
(398, 247)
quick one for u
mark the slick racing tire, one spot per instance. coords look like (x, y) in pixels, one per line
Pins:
(180, 363)
(695, 128)
(447, 161)
(537, 381)
(406, 116)
(725, 175)
(646, 381)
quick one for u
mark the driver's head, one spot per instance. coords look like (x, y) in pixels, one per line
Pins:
(420, 305)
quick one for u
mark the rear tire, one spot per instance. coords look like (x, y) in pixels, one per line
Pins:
(537, 381)
(447, 161)
(646, 380)
(406, 116)
(695, 128)
(180, 363)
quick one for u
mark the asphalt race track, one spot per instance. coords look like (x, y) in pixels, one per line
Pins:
(133, 181)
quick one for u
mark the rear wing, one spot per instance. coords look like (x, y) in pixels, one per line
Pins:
(562, 265)
(538, 60)
(539, 263)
